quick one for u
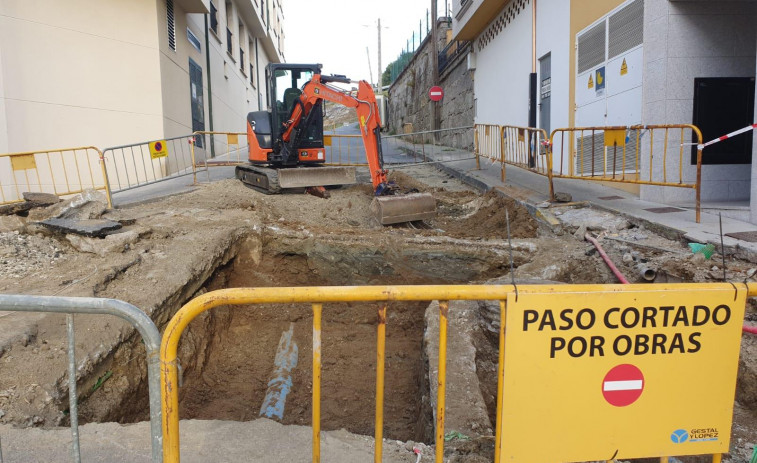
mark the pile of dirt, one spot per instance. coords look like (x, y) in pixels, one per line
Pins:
(486, 217)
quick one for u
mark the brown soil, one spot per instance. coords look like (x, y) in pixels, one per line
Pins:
(225, 235)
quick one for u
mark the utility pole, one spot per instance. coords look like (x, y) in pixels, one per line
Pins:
(380, 71)
(436, 106)
(370, 71)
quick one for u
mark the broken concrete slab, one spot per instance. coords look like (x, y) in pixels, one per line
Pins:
(15, 208)
(11, 223)
(466, 410)
(41, 199)
(117, 242)
(89, 227)
(89, 204)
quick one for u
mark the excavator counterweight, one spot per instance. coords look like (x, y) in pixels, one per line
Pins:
(286, 142)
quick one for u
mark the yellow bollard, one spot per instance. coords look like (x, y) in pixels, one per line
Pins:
(380, 362)
(317, 309)
(500, 383)
(441, 379)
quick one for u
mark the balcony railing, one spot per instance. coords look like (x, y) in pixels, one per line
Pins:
(450, 52)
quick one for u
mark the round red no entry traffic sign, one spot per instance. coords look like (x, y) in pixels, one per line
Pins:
(623, 385)
(436, 93)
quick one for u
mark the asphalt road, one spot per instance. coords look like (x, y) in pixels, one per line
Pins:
(350, 150)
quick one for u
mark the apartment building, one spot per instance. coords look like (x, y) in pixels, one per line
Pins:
(625, 62)
(111, 72)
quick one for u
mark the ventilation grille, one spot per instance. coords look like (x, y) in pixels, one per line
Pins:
(591, 48)
(508, 15)
(626, 28)
(605, 162)
(171, 25)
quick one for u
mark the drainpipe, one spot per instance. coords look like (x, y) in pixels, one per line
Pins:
(210, 89)
(257, 71)
(532, 89)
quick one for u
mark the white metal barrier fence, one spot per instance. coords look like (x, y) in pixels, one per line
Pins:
(96, 306)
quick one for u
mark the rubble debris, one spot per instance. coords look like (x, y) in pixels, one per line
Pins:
(11, 223)
(562, 197)
(116, 242)
(41, 199)
(89, 204)
(15, 208)
(87, 227)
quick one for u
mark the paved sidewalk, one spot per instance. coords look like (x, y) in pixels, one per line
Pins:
(533, 189)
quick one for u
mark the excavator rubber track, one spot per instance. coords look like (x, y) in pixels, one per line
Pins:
(272, 181)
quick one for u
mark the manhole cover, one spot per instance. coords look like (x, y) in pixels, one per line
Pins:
(749, 236)
(609, 198)
(664, 210)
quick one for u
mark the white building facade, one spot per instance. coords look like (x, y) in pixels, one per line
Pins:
(625, 62)
(107, 72)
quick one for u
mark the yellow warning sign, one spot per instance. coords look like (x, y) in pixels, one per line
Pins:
(616, 372)
(615, 138)
(624, 68)
(158, 149)
(327, 140)
(591, 82)
(232, 139)
(23, 162)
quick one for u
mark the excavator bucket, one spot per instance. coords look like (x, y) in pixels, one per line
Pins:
(403, 208)
(316, 176)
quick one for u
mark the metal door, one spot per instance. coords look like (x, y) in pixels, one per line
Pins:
(198, 108)
(545, 92)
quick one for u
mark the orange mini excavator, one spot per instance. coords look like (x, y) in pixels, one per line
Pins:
(286, 148)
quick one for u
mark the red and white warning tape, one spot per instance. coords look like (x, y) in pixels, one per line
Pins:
(724, 137)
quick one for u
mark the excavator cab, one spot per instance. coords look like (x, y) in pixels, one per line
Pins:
(284, 89)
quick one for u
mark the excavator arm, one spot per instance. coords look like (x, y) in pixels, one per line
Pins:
(369, 120)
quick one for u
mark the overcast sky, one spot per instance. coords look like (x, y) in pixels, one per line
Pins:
(332, 32)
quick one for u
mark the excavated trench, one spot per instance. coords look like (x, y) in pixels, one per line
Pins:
(227, 354)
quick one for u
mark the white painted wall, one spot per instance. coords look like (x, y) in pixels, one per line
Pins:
(682, 41)
(73, 78)
(3, 120)
(501, 79)
(553, 36)
(500, 85)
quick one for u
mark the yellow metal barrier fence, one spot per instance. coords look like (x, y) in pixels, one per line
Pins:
(62, 172)
(218, 149)
(524, 147)
(639, 154)
(317, 296)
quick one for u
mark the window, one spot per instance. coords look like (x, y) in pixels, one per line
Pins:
(229, 34)
(251, 49)
(241, 48)
(192, 38)
(213, 18)
(171, 25)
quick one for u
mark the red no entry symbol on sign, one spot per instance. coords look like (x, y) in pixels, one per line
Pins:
(436, 93)
(623, 385)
